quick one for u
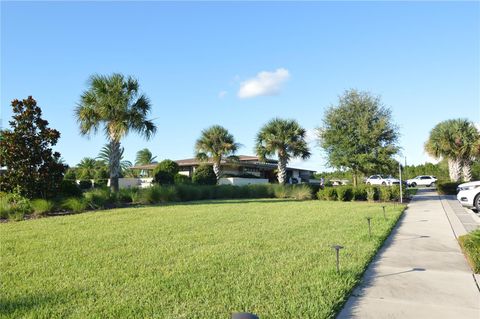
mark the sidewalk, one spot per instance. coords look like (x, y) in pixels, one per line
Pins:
(420, 272)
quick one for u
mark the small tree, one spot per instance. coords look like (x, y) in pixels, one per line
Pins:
(204, 175)
(358, 134)
(27, 153)
(216, 143)
(165, 172)
(284, 138)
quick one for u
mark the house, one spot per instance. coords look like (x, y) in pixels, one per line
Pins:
(245, 166)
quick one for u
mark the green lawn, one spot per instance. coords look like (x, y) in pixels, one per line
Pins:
(196, 260)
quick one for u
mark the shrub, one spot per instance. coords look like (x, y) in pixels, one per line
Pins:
(204, 175)
(301, 192)
(68, 188)
(150, 195)
(372, 193)
(85, 184)
(328, 193)
(187, 192)
(181, 179)
(471, 246)
(385, 193)
(281, 191)
(344, 193)
(168, 194)
(447, 188)
(15, 206)
(165, 172)
(98, 198)
(359, 193)
(4, 208)
(42, 206)
(260, 190)
(128, 195)
(395, 193)
(74, 204)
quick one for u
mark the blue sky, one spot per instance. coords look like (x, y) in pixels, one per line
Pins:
(192, 60)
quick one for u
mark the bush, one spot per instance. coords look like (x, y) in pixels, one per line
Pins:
(344, 193)
(99, 198)
(42, 206)
(150, 195)
(204, 175)
(385, 193)
(181, 179)
(359, 193)
(447, 188)
(128, 195)
(471, 246)
(301, 192)
(395, 193)
(69, 189)
(14, 206)
(74, 204)
(328, 193)
(85, 184)
(372, 193)
(281, 191)
(260, 191)
(164, 173)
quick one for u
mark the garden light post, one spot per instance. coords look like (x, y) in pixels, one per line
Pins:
(384, 215)
(337, 250)
(369, 227)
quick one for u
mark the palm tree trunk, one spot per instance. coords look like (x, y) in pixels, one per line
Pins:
(114, 165)
(467, 170)
(454, 169)
(216, 169)
(282, 170)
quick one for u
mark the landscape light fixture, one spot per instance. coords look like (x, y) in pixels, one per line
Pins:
(384, 216)
(244, 315)
(337, 249)
(369, 227)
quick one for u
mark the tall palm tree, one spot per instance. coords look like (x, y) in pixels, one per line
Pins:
(455, 140)
(144, 157)
(105, 157)
(284, 138)
(215, 143)
(114, 103)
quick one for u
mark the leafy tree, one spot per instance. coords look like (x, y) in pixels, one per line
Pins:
(358, 134)
(27, 153)
(105, 157)
(144, 157)
(458, 141)
(165, 172)
(115, 103)
(216, 143)
(71, 174)
(204, 175)
(284, 138)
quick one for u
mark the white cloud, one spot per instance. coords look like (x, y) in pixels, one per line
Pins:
(222, 94)
(265, 83)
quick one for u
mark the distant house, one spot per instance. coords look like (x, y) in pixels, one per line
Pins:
(245, 166)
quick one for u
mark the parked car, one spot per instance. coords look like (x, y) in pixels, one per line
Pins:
(469, 194)
(382, 180)
(422, 180)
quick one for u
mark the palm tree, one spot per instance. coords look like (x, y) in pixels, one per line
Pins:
(106, 153)
(144, 157)
(216, 143)
(456, 141)
(114, 102)
(87, 168)
(284, 138)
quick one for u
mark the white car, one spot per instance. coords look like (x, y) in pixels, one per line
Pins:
(382, 180)
(422, 180)
(469, 194)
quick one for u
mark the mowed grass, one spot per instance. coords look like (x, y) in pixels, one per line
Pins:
(197, 260)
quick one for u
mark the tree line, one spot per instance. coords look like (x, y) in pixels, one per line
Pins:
(357, 135)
